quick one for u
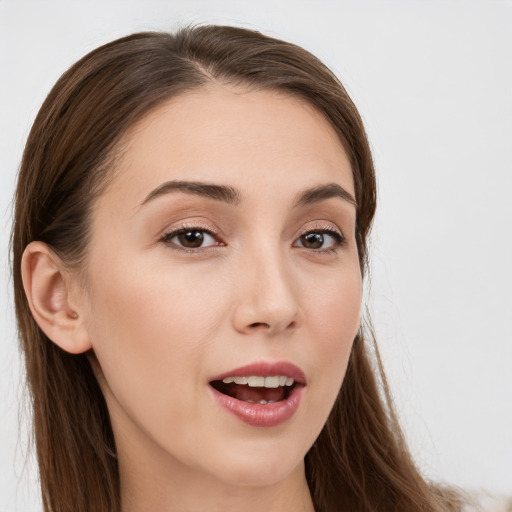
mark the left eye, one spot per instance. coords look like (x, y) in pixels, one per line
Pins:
(191, 238)
(319, 240)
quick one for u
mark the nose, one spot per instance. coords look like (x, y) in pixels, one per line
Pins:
(267, 296)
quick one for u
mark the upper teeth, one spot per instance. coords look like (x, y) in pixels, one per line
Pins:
(261, 382)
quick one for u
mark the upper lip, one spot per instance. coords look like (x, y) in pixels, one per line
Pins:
(265, 369)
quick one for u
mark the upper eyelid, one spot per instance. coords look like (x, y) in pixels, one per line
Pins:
(185, 228)
(323, 227)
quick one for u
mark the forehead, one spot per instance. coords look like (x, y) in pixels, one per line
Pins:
(235, 136)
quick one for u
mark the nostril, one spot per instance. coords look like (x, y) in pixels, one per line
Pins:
(258, 324)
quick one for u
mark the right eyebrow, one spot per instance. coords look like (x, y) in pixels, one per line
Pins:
(222, 193)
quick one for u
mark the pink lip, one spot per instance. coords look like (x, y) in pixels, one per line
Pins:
(263, 415)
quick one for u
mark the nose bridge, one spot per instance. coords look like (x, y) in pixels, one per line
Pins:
(268, 295)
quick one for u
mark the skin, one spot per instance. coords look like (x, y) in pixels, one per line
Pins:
(162, 321)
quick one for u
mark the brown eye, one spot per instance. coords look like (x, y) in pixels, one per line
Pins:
(322, 239)
(312, 240)
(190, 238)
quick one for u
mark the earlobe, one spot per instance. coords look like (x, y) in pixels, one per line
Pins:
(48, 295)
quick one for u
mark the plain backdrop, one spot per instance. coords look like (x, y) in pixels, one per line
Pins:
(433, 82)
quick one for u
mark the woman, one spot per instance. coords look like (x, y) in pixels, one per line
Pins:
(189, 244)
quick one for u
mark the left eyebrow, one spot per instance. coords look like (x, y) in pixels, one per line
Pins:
(323, 192)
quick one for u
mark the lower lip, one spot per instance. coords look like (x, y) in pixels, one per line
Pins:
(261, 415)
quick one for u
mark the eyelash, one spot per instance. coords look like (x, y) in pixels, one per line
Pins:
(337, 236)
(339, 239)
(166, 239)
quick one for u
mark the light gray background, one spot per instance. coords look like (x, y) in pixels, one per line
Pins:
(433, 81)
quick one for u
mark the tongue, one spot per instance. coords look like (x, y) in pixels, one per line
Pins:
(246, 393)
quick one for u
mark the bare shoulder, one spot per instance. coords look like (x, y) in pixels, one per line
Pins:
(486, 502)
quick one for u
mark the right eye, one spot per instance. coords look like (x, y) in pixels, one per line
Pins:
(190, 238)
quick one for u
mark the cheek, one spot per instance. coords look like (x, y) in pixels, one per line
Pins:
(149, 306)
(334, 320)
(149, 331)
(334, 312)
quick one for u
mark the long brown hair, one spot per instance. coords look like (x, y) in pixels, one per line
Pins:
(360, 460)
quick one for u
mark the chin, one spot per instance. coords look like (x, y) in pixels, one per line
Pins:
(255, 476)
(258, 464)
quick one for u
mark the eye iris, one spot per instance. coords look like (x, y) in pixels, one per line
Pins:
(313, 240)
(191, 238)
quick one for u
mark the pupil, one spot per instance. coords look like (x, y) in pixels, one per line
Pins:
(191, 238)
(313, 240)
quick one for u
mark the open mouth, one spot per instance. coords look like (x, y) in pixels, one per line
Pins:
(261, 394)
(256, 389)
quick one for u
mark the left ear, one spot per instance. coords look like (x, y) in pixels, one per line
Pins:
(47, 287)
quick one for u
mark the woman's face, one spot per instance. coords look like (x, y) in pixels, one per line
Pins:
(224, 247)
